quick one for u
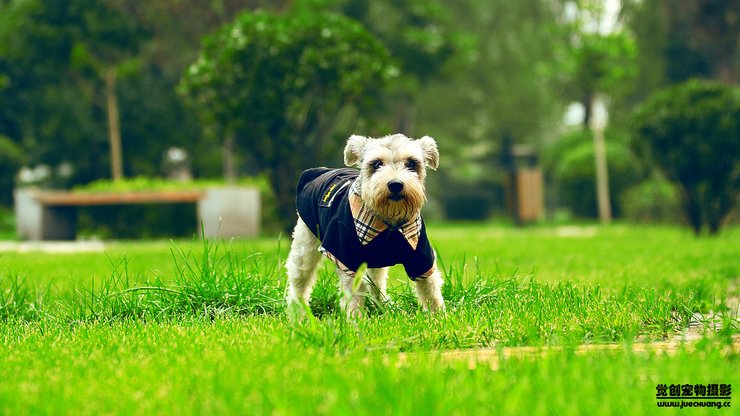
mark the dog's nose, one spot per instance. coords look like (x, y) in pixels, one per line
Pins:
(395, 186)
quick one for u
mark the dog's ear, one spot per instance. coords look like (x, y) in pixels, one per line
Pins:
(431, 153)
(354, 149)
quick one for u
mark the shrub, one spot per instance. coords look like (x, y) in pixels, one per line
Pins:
(280, 84)
(467, 199)
(653, 200)
(691, 132)
(570, 165)
(467, 204)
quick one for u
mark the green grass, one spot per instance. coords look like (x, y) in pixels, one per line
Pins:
(254, 366)
(7, 224)
(198, 327)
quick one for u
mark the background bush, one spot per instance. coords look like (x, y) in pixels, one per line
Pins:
(691, 132)
(467, 201)
(654, 200)
(11, 159)
(570, 167)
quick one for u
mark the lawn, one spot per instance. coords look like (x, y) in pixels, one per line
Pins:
(191, 327)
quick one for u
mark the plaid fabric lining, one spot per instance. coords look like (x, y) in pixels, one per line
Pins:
(336, 261)
(368, 225)
(351, 273)
(429, 272)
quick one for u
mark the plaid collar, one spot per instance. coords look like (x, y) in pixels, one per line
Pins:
(369, 225)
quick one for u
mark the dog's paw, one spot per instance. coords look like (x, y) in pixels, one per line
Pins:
(297, 311)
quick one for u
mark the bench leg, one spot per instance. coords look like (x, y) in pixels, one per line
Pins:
(36, 222)
(229, 212)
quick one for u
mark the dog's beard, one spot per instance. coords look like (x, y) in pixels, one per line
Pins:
(399, 211)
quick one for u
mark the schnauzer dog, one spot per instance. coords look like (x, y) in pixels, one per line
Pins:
(371, 216)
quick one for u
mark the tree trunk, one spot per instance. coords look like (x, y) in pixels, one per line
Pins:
(597, 119)
(587, 104)
(114, 129)
(602, 178)
(714, 225)
(693, 210)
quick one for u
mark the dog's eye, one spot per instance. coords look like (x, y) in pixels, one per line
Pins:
(376, 164)
(411, 164)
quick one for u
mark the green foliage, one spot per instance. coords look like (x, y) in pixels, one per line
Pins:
(424, 42)
(279, 75)
(570, 164)
(684, 39)
(654, 200)
(11, 159)
(145, 183)
(7, 224)
(600, 64)
(603, 63)
(418, 34)
(691, 132)
(502, 83)
(467, 200)
(53, 54)
(280, 84)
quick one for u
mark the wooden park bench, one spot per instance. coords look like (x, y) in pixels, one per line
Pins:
(52, 215)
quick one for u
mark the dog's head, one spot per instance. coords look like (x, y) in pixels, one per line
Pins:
(392, 173)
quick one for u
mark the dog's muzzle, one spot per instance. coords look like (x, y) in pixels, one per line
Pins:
(395, 187)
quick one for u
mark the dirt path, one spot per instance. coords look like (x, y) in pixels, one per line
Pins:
(493, 357)
(52, 246)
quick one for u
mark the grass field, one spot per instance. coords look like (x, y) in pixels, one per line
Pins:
(191, 327)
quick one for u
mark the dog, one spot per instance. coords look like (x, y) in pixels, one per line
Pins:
(370, 216)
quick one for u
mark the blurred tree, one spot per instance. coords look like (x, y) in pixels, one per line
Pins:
(106, 46)
(280, 84)
(421, 40)
(692, 133)
(601, 64)
(59, 57)
(569, 162)
(11, 159)
(52, 66)
(157, 117)
(11, 154)
(681, 39)
(648, 27)
(504, 86)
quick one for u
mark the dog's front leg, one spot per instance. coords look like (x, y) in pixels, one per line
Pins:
(353, 294)
(376, 282)
(303, 260)
(429, 291)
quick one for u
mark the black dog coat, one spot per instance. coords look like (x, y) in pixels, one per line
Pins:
(351, 234)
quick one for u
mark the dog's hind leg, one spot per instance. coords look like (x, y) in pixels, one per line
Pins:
(429, 291)
(302, 263)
